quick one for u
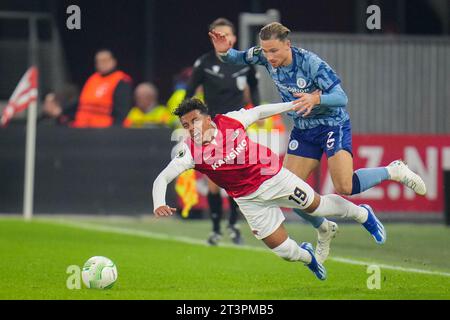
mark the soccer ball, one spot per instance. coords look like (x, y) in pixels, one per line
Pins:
(99, 273)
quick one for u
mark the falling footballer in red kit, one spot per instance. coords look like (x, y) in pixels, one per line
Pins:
(253, 175)
(234, 151)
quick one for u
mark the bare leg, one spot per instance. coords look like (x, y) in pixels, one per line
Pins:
(285, 247)
(341, 171)
(300, 166)
(289, 250)
(347, 182)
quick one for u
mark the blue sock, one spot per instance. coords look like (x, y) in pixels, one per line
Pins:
(315, 221)
(364, 179)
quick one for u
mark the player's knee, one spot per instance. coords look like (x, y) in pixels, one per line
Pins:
(287, 250)
(344, 188)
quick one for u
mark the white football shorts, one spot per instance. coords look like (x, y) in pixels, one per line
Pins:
(261, 208)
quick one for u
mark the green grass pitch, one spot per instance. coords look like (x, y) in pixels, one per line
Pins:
(165, 259)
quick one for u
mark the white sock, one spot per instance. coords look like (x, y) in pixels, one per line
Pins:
(289, 250)
(334, 205)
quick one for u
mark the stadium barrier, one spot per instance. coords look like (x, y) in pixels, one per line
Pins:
(111, 171)
(93, 171)
(447, 196)
(428, 155)
(395, 84)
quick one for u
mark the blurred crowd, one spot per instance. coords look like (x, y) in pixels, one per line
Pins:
(108, 99)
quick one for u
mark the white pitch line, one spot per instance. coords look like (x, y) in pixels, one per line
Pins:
(387, 266)
(162, 236)
(146, 234)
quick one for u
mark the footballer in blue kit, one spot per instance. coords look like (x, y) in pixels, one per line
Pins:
(327, 127)
(322, 125)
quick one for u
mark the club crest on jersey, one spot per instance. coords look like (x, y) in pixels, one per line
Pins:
(301, 83)
(216, 68)
(241, 82)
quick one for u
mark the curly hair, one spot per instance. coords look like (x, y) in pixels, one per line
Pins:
(189, 105)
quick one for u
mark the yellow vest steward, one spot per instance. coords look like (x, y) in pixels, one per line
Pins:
(159, 115)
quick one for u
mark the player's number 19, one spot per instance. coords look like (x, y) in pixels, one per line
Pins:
(299, 197)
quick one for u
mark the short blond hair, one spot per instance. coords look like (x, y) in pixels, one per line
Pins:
(274, 30)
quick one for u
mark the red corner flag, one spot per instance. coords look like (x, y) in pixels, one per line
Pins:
(25, 93)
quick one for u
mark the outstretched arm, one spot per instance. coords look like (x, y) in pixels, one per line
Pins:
(249, 116)
(229, 55)
(183, 161)
(220, 42)
(335, 97)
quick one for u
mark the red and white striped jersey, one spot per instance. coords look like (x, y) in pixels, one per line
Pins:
(232, 160)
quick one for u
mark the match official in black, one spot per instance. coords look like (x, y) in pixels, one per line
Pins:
(226, 87)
